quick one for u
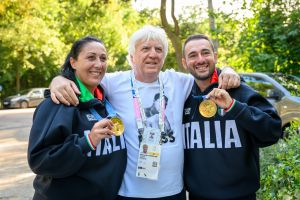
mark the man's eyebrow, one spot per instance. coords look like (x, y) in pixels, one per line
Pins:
(192, 52)
(206, 49)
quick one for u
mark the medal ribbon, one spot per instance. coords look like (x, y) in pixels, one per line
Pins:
(139, 110)
(109, 108)
(200, 97)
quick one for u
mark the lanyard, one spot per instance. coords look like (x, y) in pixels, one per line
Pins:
(139, 110)
(109, 108)
(200, 98)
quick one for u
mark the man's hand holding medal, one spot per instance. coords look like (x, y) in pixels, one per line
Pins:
(217, 97)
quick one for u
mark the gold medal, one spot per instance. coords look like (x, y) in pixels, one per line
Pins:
(118, 127)
(208, 108)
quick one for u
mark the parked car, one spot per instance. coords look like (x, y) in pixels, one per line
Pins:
(283, 91)
(25, 99)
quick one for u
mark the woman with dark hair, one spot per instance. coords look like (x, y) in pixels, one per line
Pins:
(75, 151)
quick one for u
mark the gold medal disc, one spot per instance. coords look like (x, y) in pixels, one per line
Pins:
(208, 108)
(118, 127)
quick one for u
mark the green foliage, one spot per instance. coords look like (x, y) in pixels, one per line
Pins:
(191, 22)
(36, 35)
(270, 41)
(280, 168)
(109, 21)
(29, 41)
(228, 35)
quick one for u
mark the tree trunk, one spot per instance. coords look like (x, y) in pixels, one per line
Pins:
(212, 24)
(173, 33)
(18, 79)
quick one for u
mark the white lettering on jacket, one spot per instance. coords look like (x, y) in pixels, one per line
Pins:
(213, 137)
(108, 146)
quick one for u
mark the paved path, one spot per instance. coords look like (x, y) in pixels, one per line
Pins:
(15, 176)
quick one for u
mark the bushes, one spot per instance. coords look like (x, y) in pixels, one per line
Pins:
(280, 168)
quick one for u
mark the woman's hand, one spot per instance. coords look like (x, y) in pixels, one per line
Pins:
(101, 130)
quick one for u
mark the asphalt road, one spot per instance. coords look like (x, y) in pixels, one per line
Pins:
(15, 176)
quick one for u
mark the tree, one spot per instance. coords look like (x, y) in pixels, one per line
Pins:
(271, 39)
(212, 23)
(28, 39)
(112, 21)
(172, 32)
(37, 34)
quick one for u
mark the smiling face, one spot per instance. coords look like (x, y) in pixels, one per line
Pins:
(90, 65)
(147, 60)
(200, 59)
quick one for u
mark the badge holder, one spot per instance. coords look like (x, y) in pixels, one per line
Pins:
(149, 154)
(148, 162)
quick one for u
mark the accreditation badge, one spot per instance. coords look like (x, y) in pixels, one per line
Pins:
(148, 163)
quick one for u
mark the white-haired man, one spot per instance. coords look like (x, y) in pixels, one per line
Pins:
(159, 173)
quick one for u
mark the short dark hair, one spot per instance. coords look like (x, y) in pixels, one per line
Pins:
(197, 37)
(66, 69)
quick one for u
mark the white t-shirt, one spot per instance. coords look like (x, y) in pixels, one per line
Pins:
(177, 86)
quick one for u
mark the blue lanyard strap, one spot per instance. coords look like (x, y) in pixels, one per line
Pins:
(109, 108)
(132, 88)
(200, 97)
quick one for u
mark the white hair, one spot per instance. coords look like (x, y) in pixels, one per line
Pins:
(146, 33)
